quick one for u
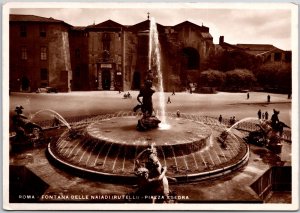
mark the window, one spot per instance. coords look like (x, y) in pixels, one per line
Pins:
(23, 30)
(43, 53)
(106, 41)
(42, 30)
(277, 56)
(288, 56)
(24, 53)
(44, 74)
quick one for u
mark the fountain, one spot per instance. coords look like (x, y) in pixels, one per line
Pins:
(107, 146)
(52, 112)
(155, 61)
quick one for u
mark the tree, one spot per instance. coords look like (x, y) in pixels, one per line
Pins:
(239, 79)
(276, 76)
(230, 60)
(212, 78)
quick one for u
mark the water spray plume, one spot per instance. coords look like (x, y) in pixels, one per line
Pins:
(155, 59)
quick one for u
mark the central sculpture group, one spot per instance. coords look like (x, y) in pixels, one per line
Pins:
(149, 120)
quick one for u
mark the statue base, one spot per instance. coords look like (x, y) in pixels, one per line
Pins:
(147, 123)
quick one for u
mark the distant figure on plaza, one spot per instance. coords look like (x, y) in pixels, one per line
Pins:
(269, 98)
(169, 100)
(248, 95)
(230, 121)
(173, 93)
(266, 115)
(178, 114)
(233, 120)
(220, 118)
(263, 116)
(259, 114)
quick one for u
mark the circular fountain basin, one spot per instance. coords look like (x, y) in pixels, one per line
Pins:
(189, 148)
(181, 138)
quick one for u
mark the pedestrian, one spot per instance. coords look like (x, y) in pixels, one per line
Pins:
(269, 98)
(233, 120)
(230, 121)
(259, 114)
(266, 115)
(173, 93)
(220, 118)
(178, 113)
(263, 116)
(169, 100)
(248, 95)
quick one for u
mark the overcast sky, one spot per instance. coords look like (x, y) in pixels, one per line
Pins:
(252, 26)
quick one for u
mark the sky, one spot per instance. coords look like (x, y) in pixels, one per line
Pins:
(261, 25)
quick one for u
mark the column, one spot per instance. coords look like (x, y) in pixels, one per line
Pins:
(112, 80)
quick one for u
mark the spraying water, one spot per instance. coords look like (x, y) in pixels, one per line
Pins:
(243, 120)
(154, 59)
(52, 112)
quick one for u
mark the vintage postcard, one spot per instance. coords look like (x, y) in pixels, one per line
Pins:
(150, 106)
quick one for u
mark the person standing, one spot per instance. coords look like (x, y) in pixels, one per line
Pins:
(263, 116)
(266, 115)
(248, 95)
(220, 118)
(269, 98)
(259, 114)
(169, 100)
(173, 93)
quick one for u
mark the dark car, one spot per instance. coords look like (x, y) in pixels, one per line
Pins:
(47, 90)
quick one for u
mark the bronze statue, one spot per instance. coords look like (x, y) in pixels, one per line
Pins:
(148, 121)
(26, 131)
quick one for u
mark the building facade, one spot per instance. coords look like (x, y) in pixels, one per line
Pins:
(39, 53)
(106, 56)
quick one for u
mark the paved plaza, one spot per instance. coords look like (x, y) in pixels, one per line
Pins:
(101, 102)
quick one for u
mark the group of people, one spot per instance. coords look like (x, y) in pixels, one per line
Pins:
(262, 115)
(232, 120)
(127, 95)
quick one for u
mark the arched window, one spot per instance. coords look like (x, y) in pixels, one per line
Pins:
(191, 58)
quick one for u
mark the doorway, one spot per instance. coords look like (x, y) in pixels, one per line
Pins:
(136, 83)
(25, 84)
(106, 79)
